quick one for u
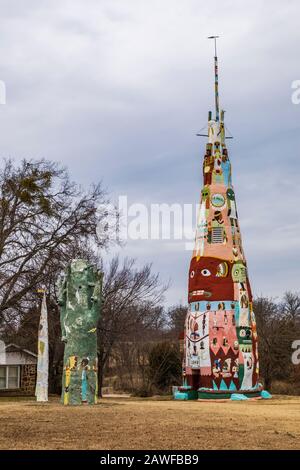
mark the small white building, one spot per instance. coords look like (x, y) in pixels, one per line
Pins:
(17, 370)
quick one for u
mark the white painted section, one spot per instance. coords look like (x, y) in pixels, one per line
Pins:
(213, 132)
(41, 390)
(197, 340)
(248, 371)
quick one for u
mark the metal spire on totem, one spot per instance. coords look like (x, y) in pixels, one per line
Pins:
(216, 78)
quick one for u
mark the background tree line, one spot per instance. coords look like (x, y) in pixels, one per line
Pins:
(45, 221)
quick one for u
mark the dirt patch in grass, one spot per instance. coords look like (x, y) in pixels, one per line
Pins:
(120, 423)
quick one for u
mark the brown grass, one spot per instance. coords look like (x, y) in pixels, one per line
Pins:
(120, 423)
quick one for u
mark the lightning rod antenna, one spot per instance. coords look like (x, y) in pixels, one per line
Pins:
(216, 79)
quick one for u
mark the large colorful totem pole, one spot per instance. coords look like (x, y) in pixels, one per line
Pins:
(220, 340)
(80, 304)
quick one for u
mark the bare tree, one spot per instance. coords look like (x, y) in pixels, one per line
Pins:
(275, 334)
(164, 365)
(176, 316)
(45, 219)
(131, 350)
(131, 300)
(291, 306)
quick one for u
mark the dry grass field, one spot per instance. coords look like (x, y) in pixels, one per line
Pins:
(120, 423)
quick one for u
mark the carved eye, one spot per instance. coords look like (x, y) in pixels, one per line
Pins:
(192, 274)
(242, 333)
(205, 272)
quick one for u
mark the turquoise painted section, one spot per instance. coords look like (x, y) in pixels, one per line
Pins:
(189, 395)
(181, 396)
(214, 305)
(223, 385)
(238, 396)
(226, 169)
(84, 386)
(266, 395)
(237, 313)
(232, 386)
(215, 385)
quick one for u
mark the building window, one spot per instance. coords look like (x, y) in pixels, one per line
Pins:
(9, 377)
(2, 377)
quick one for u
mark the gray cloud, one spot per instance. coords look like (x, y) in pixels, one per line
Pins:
(116, 90)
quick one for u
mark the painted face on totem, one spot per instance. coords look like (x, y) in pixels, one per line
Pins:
(210, 279)
(230, 194)
(205, 193)
(239, 272)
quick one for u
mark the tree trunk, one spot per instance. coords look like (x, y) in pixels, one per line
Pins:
(268, 382)
(101, 369)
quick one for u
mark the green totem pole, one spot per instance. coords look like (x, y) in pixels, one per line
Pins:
(80, 305)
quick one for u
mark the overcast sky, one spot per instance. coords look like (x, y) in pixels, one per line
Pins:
(117, 89)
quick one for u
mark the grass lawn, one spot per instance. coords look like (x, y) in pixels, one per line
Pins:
(139, 423)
